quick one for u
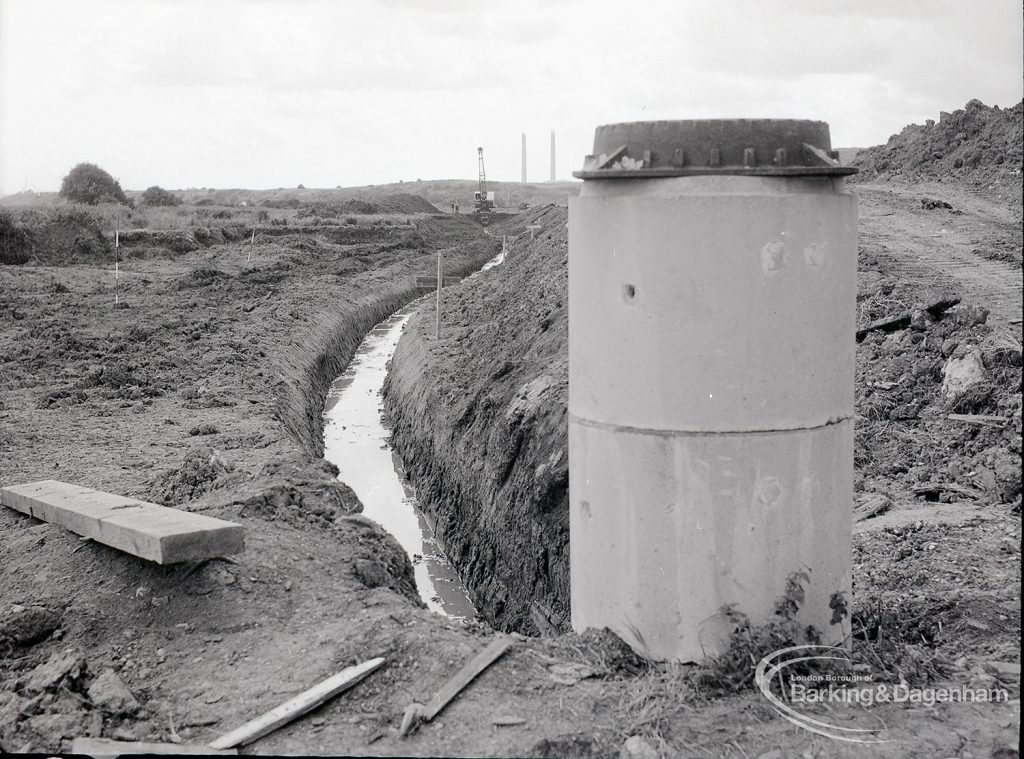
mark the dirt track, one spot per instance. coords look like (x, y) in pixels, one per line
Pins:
(958, 249)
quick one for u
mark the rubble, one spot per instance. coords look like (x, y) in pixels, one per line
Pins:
(109, 693)
(962, 375)
(67, 666)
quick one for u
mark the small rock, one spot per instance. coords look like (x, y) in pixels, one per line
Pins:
(61, 666)
(870, 505)
(11, 706)
(961, 375)
(110, 693)
(975, 314)
(636, 747)
(919, 320)
(95, 729)
(223, 576)
(53, 727)
(125, 733)
(28, 626)
(158, 601)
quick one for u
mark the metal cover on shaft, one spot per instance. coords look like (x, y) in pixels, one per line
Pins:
(753, 147)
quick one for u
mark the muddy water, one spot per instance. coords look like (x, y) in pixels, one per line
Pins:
(355, 440)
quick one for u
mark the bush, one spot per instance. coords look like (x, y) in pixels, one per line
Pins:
(158, 196)
(15, 243)
(88, 183)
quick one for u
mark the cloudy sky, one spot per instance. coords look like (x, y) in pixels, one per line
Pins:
(273, 93)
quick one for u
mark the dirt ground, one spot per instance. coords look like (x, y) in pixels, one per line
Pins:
(937, 570)
(205, 392)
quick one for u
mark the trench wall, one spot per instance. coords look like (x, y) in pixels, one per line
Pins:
(320, 351)
(480, 419)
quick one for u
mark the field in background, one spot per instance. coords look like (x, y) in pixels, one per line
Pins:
(439, 192)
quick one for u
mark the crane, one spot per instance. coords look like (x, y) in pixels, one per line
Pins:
(483, 200)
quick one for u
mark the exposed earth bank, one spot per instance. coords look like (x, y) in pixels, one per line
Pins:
(479, 418)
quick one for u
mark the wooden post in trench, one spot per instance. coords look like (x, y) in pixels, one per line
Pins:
(440, 281)
(117, 269)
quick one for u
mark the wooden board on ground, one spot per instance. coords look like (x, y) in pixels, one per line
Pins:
(102, 748)
(152, 532)
(939, 513)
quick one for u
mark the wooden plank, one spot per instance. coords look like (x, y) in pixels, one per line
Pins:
(146, 530)
(902, 321)
(416, 713)
(453, 687)
(294, 708)
(985, 419)
(104, 748)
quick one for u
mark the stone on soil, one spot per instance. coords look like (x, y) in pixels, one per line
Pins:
(636, 747)
(109, 693)
(62, 665)
(53, 727)
(27, 626)
(963, 374)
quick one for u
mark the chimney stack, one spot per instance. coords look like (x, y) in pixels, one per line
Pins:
(552, 155)
(524, 158)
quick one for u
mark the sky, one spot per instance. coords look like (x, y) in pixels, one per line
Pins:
(277, 93)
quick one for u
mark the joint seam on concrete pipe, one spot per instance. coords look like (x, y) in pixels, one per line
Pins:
(703, 433)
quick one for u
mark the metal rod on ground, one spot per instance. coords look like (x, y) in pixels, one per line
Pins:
(296, 707)
(251, 241)
(440, 281)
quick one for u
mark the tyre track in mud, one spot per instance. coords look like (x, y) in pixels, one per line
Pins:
(942, 248)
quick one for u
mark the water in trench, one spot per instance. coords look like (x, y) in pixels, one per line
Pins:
(355, 440)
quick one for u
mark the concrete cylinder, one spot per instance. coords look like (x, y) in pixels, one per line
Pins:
(711, 363)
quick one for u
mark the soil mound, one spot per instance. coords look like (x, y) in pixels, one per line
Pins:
(978, 144)
(402, 202)
(62, 235)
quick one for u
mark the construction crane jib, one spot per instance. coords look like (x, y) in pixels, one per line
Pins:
(483, 200)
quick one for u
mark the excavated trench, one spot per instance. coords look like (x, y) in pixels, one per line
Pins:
(479, 418)
(357, 442)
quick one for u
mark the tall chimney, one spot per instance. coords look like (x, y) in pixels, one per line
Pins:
(524, 158)
(552, 155)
